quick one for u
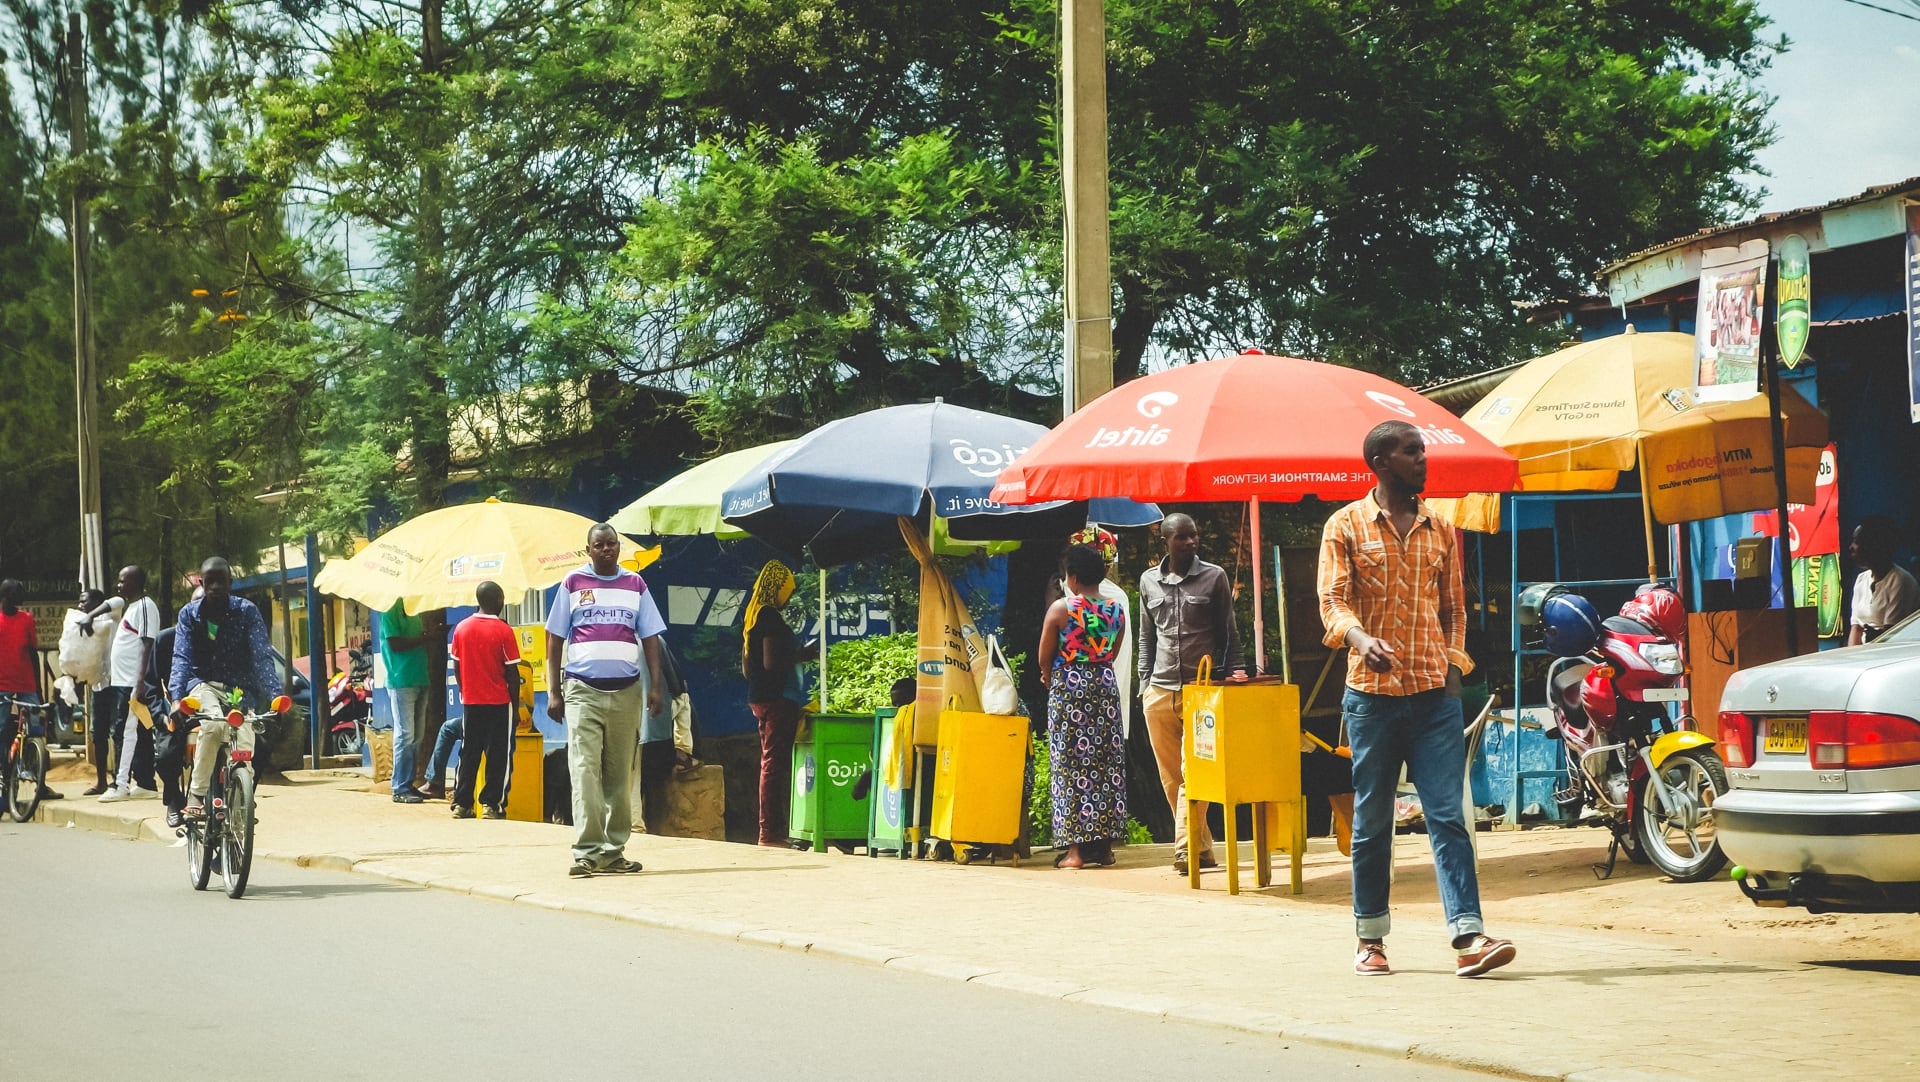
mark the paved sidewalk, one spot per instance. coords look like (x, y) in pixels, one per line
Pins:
(1581, 1005)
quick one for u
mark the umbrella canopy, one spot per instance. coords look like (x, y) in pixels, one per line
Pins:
(837, 492)
(1576, 419)
(690, 502)
(1242, 427)
(435, 560)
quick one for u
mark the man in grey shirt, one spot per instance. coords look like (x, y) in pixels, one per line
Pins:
(1186, 604)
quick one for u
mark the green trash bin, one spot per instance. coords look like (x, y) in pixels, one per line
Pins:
(830, 753)
(887, 817)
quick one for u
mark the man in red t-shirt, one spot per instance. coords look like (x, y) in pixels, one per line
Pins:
(19, 639)
(486, 656)
(19, 664)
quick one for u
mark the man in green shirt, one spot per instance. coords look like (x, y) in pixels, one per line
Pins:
(403, 654)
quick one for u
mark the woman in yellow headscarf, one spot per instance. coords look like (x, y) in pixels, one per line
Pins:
(767, 654)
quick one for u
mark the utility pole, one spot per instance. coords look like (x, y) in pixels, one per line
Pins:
(1088, 362)
(86, 382)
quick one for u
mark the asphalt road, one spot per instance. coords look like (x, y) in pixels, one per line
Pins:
(120, 970)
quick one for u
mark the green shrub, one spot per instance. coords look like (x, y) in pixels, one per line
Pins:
(861, 672)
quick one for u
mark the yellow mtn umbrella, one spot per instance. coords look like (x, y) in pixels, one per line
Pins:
(690, 502)
(1578, 418)
(434, 561)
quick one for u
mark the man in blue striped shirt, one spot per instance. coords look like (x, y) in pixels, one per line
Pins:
(602, 626)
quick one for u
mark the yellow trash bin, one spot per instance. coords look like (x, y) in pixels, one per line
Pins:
(1242, 746)
(979, 768)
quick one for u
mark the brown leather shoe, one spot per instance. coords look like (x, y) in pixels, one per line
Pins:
(1371, 960)
(1484, 955)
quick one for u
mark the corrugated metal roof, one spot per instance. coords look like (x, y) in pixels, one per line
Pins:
(1879, 191)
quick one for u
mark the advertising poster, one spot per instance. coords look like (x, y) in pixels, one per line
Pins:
(1913, 311)
(1726, 325)
(1793, 294)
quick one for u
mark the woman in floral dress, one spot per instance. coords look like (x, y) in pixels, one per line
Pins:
(1085, 743)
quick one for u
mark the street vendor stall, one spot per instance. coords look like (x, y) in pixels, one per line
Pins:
(1578, 419)
(435, 560)
(1248, 427)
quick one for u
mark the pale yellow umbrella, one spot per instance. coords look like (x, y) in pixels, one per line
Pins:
(1578, 418)
(435, 560)
(689, 503)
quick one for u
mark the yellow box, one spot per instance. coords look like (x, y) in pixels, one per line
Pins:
(1242, 741)
(1241, 745)
(527, 796)
(533, 651)
(979, 767)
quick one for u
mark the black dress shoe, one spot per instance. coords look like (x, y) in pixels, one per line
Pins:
(408, 796)
(52, 794)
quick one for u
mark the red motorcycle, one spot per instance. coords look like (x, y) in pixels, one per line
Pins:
(349, 702)
(1650, 779)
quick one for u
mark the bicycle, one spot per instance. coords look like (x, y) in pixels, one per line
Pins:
(223, 836)
(25, 773)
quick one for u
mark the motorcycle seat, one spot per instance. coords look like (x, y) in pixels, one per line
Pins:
(1627, 625)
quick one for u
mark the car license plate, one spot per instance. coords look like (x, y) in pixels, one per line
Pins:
(1786, 736)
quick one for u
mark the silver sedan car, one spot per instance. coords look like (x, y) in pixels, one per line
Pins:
(1823, 758)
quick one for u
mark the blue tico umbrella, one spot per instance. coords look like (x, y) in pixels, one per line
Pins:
(835, 493)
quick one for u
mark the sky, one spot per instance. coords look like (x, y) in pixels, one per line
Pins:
(1848, 114)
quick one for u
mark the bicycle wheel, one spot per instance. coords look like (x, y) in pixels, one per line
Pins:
(199, 852)
(24, 778)
(236, 841)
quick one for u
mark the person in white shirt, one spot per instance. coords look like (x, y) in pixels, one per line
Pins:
(1885, 593)
(137, 622)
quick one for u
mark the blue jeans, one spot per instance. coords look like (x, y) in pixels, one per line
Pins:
(409, 706)
(452, 731)
(1422, 731)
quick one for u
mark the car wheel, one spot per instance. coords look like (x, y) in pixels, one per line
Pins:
(1681, 841)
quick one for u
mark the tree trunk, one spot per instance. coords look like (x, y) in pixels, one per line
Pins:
(430, 320)
(1132, 330)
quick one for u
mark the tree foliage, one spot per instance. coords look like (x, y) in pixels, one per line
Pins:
(464, 236)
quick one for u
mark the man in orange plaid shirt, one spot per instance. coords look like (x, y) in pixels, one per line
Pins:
(1390, 592)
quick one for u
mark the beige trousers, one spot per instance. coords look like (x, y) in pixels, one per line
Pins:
(1165, 729)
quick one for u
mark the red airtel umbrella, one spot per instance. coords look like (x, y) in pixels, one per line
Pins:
(1244, 427)
(1247, 427)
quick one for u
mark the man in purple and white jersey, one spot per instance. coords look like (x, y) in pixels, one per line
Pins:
(604, 624)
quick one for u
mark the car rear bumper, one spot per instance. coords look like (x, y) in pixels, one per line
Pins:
(1872, 836)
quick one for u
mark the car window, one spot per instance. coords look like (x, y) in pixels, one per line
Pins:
(1907, 630)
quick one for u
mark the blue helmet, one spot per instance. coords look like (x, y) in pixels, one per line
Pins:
(1569, 626)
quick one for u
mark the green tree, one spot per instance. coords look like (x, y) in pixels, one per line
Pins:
(1371, 181)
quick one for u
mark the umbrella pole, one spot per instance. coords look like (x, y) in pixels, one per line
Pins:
(823, 640)
(1259, 624)
(1646, 509)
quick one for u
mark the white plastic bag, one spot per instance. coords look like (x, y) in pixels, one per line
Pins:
(84, 656)
(997, 693)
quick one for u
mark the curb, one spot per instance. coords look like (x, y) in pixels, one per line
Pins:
(1455, 1053)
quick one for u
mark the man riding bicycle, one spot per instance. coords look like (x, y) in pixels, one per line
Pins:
(19, 667)
(220, 646)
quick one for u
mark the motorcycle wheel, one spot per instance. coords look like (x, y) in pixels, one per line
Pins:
(1681, 842)
(344, 742)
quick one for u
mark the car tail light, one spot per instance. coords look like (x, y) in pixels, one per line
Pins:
(1858, 740)
(236, 719)
(1736, 738)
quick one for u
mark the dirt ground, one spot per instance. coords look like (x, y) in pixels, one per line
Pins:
(1544, 877)
(1541, 877)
